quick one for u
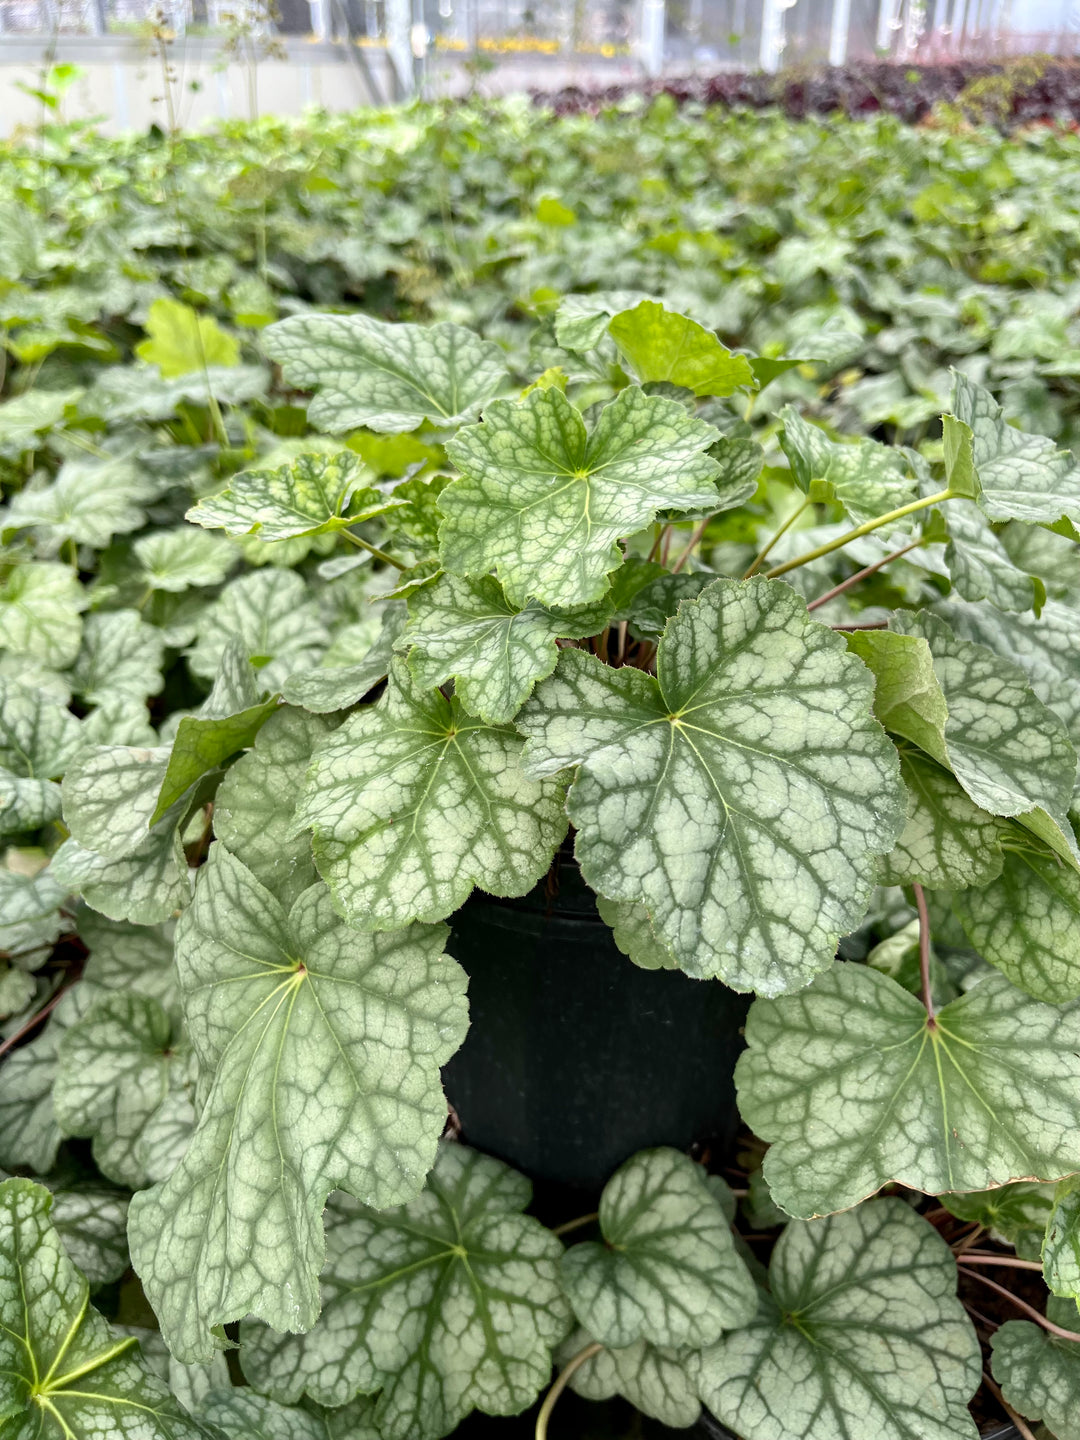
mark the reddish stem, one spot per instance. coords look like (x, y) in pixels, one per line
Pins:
(862, 575)
(1039, 1319)
(34, 1020)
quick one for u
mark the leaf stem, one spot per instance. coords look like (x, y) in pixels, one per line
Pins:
(561, 1382)
(867, 528)
(983, 1257)
(695, 535)
(568, 1225)
(373, 550)
(784, 528)
(924, 953)
(863, 574)
(1039, 1319)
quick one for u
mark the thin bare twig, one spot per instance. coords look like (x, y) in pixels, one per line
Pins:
(863, 574)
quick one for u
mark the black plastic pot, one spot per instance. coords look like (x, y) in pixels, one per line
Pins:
(575, 1057)
(709, 1427)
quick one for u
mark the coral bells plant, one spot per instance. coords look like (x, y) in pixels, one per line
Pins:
(804, 706)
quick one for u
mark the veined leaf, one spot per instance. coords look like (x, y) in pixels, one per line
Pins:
(979, 564)
(91, 1220)
(1026, 921)
(183, 558)
(117, 1066)
(661, 345)
(495, 652)
(25, 418)
(29, 911)
(120, 655)
(387, 377)
(413, 803)
(543, 501)
(1061, 1242)
(862, 1336)
(667, 1270)
(29, 1134)
(238, 1411)
(256, 802)
(581, 321)
(146, 885)
(337, 687)
(324, 1047)
(89, 502)
(867, 478)
(38, 736)
(908, 698)
(1021, 477)
(314, 495)
(110, 794)
(633, 933)
(1011, 754)
(854, 1088)
(271, 613)
(63, 1370)
(182, 341)
(448, 1304)
(741, 796)
(948, 842)
(659, 1383)
(40, 616)
(137, 392)
(1039, 1373)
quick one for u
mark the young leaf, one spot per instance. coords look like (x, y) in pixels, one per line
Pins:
(413, 803)
(660, 345)
(854, 1088)
(667, 1270)
(1017, 1214)
(449, 1304)
(63, 1370)
(120, 655)
(337, 687)
(255, 804)
(581, 321)
(495, 652)
(387, 377)
(867, 478)
(1039, 1373)
(543, 501)
(1021, 477)
(907, 694)
(862, 1336)
(632, 931)
(1026, 921)
(686, 796)
(314, 495)
(117, 1066)
(38, 736)
(182, 341)
(184, 558)
(271, 613)
(958, 444)
(39, 613)
(324, 1047)
(948, 842)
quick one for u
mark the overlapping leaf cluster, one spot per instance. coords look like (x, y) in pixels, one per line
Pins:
(311, 626)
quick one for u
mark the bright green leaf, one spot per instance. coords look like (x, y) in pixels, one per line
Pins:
(181, 341)
(660, 345)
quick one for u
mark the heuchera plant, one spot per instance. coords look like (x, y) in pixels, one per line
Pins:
(558, 599)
